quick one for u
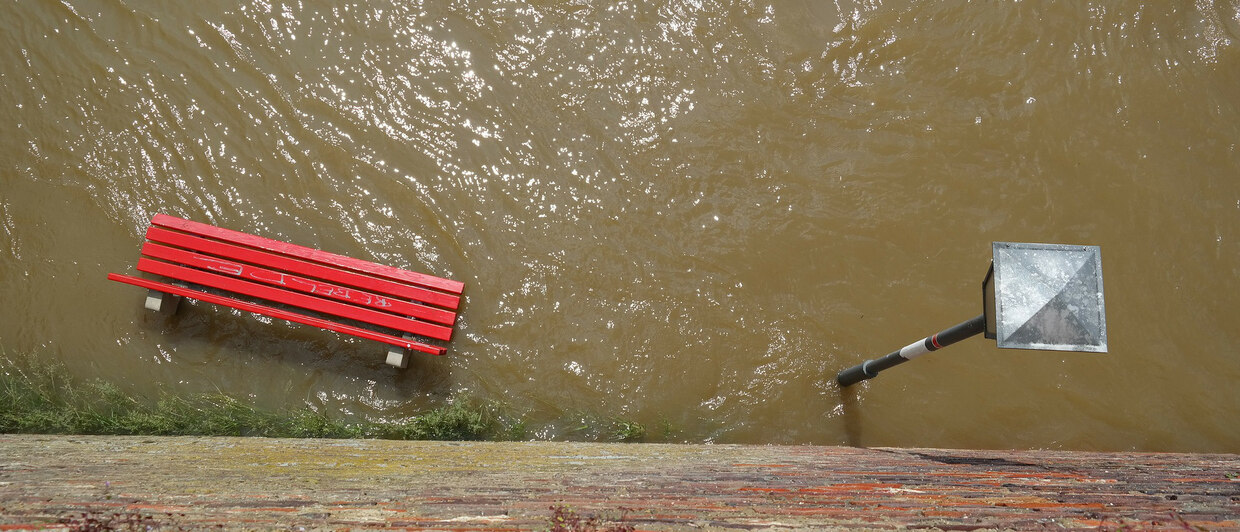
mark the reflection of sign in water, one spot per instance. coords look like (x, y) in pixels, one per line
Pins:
(1048, 296)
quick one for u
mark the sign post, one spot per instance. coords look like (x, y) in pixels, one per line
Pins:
(1035, 296)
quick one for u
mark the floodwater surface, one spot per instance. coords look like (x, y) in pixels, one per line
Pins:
(688, 214)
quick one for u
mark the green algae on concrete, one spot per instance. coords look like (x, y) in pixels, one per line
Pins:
(194, 482)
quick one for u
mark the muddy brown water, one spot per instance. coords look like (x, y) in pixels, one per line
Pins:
(689, 214)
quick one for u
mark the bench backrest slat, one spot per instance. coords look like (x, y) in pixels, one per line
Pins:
(297, 299)
(293, 250)
(310, 269)
(278, 313)
(299, 283)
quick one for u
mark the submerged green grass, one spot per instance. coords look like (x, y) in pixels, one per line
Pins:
(42, 398)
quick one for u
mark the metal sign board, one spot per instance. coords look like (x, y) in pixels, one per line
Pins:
(1048, 296)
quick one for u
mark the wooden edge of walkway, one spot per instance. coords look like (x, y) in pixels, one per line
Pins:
(257, 483)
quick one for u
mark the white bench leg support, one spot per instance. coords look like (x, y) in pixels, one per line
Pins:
(399, 356)
(162, 302)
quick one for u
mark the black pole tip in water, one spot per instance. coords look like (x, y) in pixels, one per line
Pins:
(854, 375)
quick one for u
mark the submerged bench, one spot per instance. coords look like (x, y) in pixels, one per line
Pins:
(310, 286)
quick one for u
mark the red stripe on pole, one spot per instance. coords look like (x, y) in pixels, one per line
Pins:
(293, 298)
(291, 282)
(935, 341)
(293, 250)
(278, 313)
(328, 273)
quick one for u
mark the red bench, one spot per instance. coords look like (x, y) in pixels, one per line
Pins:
(310, 286)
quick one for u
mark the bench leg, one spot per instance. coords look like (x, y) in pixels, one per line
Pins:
(162, 302)
(399, 356)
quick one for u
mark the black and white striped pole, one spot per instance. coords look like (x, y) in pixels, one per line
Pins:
(870, 368)
(1035, 296)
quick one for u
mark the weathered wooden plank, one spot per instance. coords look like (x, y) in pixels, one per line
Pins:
(278, 313)
(261, 483)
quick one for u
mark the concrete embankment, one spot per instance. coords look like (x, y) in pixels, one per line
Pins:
(191, 483)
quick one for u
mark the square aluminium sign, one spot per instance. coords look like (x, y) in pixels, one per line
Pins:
(1049, 296)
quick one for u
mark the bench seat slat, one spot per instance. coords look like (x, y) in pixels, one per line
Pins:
(311, 269)
(294, 282)
(267, 244)
(305, 301)
(278, 313)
